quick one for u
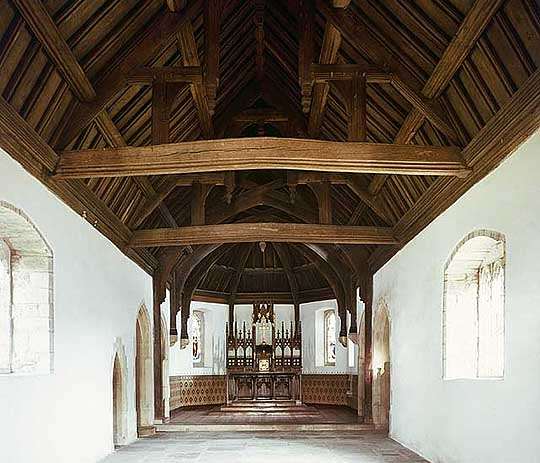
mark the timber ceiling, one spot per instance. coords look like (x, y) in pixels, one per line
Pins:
(439, 73)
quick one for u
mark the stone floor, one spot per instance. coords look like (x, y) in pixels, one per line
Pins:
(259, 447)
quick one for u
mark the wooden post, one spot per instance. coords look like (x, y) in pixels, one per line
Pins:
(160, 112)
(306, 51)
(159, 297)
(198, 200)
(367, 297)
(325, 203)
(174, 307)
(212, 18)
(357, 128)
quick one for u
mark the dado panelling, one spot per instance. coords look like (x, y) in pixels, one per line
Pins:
(197, 390)
(325, 389)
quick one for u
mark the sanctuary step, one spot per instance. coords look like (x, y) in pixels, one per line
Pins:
(283, 416)
(274, 407)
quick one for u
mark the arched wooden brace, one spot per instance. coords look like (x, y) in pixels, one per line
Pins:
(193, 280)
(180, 275)
(345, 274)
(333, 279)
(189, 262)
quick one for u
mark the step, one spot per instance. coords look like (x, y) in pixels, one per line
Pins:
(282, 410)
(265, 403)
(262, 427)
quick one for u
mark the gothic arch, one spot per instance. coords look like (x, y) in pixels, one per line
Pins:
(381, 366)
(119, 394)
(143, 372)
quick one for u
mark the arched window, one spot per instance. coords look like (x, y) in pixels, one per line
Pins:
(26, 310)
(329, 338)
(197, 338)
(473, 310)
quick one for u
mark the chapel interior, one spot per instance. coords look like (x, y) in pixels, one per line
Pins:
(269, 230)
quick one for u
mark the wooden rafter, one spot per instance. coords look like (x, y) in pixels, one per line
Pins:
(457, 51)
(23, 143)
(261, 153)
(512, 125)
(306, 51)
(353, 28)
(190, 55)
(285, 258)
(237, 275)
(159, 32)
(43, 26)
(212, 17)
(328, 55)
(254, 232)
(41, 23)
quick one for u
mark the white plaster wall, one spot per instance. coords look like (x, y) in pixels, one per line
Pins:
(467, 421)
(67, 416)
(311, 332)
(181, 360)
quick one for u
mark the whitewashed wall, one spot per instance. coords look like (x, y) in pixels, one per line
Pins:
(181, 360)
(66, 416)
(311, 316)
(468, 421)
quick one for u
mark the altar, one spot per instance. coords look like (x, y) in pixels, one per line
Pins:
(264, 358)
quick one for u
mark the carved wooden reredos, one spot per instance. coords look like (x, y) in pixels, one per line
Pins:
(264, 344)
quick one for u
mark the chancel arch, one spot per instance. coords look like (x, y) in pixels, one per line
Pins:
(26, 296)
(143, 372)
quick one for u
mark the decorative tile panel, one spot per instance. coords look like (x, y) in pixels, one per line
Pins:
(325, 389)
(197, 390)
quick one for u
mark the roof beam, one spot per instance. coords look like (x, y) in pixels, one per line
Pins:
(328, 55)
(306, 50)
(43, 26)
(327, 72)
(261, 153)
(235, 280)
(352, 72)
(284, 256)
(190, 55)
(255, 232)
(354, 29)
(159, 33)
(37, 17)
(478, 17)
(145, 75)
(513, 124)
(212, 18)
(27, 147)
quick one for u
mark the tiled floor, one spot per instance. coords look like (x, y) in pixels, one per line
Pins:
(259, 447)
(305, 415)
